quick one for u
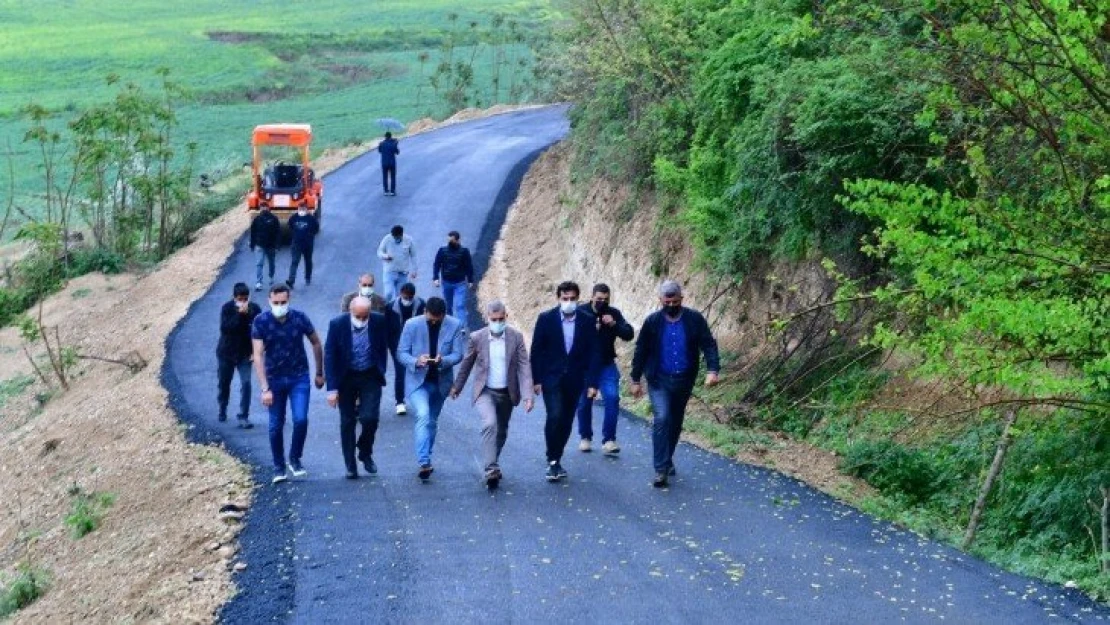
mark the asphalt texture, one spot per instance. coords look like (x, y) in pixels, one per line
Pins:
(726, 542)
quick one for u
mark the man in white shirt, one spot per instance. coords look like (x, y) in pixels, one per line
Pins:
(502, 379)
(398, 256)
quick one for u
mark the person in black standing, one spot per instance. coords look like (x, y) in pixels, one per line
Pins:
(355, 354)
(265, 236)
(667, 355)
(304, 227)
(233, 352)
(389, 150)
(454, 265)
(564, 363)
(399, 311)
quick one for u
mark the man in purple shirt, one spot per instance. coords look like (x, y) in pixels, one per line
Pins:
(667, 355)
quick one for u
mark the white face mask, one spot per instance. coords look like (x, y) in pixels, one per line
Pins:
(568, 308)
(303, 212)
(358, 323)
(366, 291)
(406, 302)
(497, 327)
(279, 310)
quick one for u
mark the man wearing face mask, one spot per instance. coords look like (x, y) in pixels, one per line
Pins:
(502, 379)
(265, 236)
(355, 361)
(429, 349)
(278, 337)
(400, 310)
(304, 227)
(610, 325)
(365, 289)
(667, 355)
(398, 260)
(564, 363)
(454, 265)
(234, 352)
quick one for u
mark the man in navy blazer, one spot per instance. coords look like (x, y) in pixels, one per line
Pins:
(355, 355)
(564, 363)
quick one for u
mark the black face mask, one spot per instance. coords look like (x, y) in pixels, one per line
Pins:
(453, 245)
(673, 310)
(601, 307)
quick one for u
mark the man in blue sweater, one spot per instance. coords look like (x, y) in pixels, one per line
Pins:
(454, 266)
(389, 150)
(304, 227)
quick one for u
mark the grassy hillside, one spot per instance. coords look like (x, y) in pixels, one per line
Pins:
(338, 64)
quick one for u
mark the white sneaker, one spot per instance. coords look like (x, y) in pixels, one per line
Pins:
(257, 286)
(585, 445)
(401, 410)
(610, 448)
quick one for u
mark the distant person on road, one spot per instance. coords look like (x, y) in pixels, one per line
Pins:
(233, 352)
(430, 348)
(355, 356)
(282, 368)
(365, 289)
(610, 326)
(502, 379)
(398, 256)
(564, 364)
(265, 236)
(389, 150)
(454, 266)
(304, 227)
(667, 355)
(400, 310)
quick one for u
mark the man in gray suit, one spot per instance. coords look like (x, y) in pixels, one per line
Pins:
(430, 347)
(502, 378)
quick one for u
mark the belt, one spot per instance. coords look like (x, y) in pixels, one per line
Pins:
(499, 391)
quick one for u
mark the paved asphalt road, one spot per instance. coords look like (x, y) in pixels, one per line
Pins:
(726, 543)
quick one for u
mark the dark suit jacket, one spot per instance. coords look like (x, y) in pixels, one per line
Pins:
(551, 363)
(647, 358)
(337, 348)
(518, 369)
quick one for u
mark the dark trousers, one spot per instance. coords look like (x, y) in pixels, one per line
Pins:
(360, 396)
(297, 252)
(389, 178)
(669, 396)
(559, 401)
(398, 381)
(225, 372)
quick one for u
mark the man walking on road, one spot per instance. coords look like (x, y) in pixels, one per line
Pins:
(389, 150)
(265, 236)
(610, 326)
(399, 312)
(365, 289)
(279, 361)
(430, 347)
(304, 227)
(454, 266)
(667, 355)
(398, 260)
(233, 352)
(355, 362)
(564, 363)
(502, 379)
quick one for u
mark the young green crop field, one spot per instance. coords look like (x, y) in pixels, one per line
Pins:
(339, 65)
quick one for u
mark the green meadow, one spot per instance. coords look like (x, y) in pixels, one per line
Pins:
(338, 64)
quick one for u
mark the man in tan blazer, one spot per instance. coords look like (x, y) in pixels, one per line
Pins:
(502, 379)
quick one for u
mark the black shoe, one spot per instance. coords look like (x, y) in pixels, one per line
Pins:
(671, 472)
(493, 477)
(308, 281)
(369, 465)
(351, 475)
(555, 471)
(245, 425)
(425, 472)
(289, 283)
(222, 417)
(660, 480)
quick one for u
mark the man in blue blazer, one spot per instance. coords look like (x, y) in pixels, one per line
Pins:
(430, 347)
(355, 356)
(564, 363)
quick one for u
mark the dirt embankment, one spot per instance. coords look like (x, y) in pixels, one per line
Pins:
(559, 231)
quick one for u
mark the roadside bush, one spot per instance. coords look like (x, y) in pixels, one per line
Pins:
(88, 511)
(13, 303)
(894, 469)
(88, 260)
(25, 588)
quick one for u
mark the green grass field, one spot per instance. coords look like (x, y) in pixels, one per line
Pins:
(337, 64)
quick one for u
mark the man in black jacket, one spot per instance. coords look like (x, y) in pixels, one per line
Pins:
(233, 352)
(667, 355)
(265, 236)
(304, 228)
(611, 325)
(454, 266)
(564, 363)
(398, 312)
(389, 150)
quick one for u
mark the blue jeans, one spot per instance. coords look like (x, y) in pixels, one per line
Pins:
(454, 294)
(609, 385)
(668, 396)
(264, 254)
(427, 401)
(293, 389)
(394, 280)
(297, 253)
